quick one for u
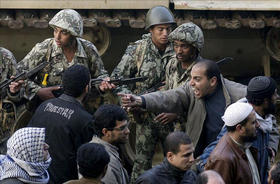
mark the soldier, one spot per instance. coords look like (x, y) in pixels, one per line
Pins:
(148, 58)
(7, 107)
(62, 51)
(188, 40)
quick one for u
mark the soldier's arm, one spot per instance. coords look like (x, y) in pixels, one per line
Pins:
(96, 66)
(31, 60)
(126, 68)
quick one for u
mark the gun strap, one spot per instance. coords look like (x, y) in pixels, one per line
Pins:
(139, 58)
(139, 55)
(48, 68)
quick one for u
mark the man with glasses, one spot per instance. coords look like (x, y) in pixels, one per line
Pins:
(111, 127)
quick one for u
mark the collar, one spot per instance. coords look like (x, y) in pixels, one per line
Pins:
(109, 147)
(169, 51)
(70, 99)
(174, 171)
(80, 52)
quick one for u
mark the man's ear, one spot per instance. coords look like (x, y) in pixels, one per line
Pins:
(87, 89)
(213, 81)
(239, 128)
(169, 156)
(105, 131)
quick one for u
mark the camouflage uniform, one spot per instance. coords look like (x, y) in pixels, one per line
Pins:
(153, 65)
(175, 75)
(86, 54)
(7, 110)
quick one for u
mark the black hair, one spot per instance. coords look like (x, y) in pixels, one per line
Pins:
(106, 117)
(211, 69)
(174, 140)
(233, 128)
(92, 159)
(75, 79)
(275, 173)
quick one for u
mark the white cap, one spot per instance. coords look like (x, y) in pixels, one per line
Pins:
(236, 113)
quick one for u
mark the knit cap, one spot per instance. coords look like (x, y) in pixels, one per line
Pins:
(261, 87)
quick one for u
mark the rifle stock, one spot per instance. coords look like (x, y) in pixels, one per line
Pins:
(23, 75)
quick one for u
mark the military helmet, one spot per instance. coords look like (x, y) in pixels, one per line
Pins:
(273, 43)
(69, 20)
(190, 33)
(159, 15)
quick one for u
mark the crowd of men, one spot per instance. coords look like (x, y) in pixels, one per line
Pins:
(202, 120)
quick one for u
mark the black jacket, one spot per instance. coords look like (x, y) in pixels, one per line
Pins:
(165, 173)
(68, 126)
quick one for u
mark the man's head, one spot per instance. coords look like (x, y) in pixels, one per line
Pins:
(179, 149)
(274, 174)
(159, 21)
(209, 177)
(28, 145)
(75, 80)
(67, 25)
(262, 92)
(111, 124)
(240, 119)
(205, 76)
(188, 40)
(92, 160)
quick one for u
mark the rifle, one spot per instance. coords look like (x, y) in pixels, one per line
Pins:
(23, 75)
(226, 59)
(118, 81)
(153, 89)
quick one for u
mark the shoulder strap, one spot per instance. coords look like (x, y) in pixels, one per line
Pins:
(139, 55)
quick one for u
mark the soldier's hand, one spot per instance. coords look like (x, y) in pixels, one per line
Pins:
(46, 93)
(165, 118)
(129, 101)
(15, 86)
(105, 85)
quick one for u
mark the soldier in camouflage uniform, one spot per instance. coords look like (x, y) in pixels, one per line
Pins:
(148, 58)
(62, 51)
(7, 107)
(188, 40)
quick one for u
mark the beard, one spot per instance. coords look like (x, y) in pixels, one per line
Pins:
(249, 138)
(271, 109)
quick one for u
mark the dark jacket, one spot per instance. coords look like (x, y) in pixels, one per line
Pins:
(165, 173)
(231, 162)
(68, 126)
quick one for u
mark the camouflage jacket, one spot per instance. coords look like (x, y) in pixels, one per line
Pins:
(175, 75)
(7, 109)
(47, 50)
(7, 64)
(152, 66)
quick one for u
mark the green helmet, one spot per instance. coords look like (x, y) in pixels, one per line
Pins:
(69, 20)
(159, 15)
(273, 43)
(190, 33)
